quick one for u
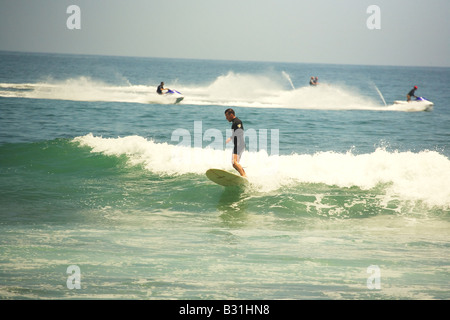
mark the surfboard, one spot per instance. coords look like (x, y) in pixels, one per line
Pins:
(225, 178)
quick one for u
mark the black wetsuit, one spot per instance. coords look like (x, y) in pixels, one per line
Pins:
(159, 90)
(238, 136)
(412, 93)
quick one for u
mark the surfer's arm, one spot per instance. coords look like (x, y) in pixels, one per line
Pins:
(232, 136)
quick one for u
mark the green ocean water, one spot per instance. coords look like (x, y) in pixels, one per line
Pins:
(348, 199)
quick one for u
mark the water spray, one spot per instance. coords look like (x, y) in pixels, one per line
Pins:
(379, 93)
(288, 78)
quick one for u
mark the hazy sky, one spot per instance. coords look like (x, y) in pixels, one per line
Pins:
(413, 32)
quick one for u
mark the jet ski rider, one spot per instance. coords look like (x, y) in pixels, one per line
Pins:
(160, 89)
(411, 94)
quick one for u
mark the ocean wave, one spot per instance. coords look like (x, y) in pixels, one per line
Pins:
(423, 176)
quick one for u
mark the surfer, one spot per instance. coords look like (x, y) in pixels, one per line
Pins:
(160, 89)
(411, 94)
(238, 139)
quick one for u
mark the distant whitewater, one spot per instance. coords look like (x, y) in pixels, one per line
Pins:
(232, 89)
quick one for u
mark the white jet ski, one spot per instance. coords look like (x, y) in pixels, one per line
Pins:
(173, 96)
(419, 103)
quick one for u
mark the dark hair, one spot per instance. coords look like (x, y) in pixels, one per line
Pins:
(229, 110)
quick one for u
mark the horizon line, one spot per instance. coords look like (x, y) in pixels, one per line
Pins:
(222, 59)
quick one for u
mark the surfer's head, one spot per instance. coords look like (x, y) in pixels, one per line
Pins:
(415, 87)
(229, 110)
(229, 114)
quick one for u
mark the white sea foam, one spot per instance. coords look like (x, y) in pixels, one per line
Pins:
(269, 91)
(231, 89)
(423, 176)
(83, 89)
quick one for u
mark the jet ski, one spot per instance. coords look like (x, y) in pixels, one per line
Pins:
(173, 96)
(419, 103)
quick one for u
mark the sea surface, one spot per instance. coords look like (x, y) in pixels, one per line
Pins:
(103, 193)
